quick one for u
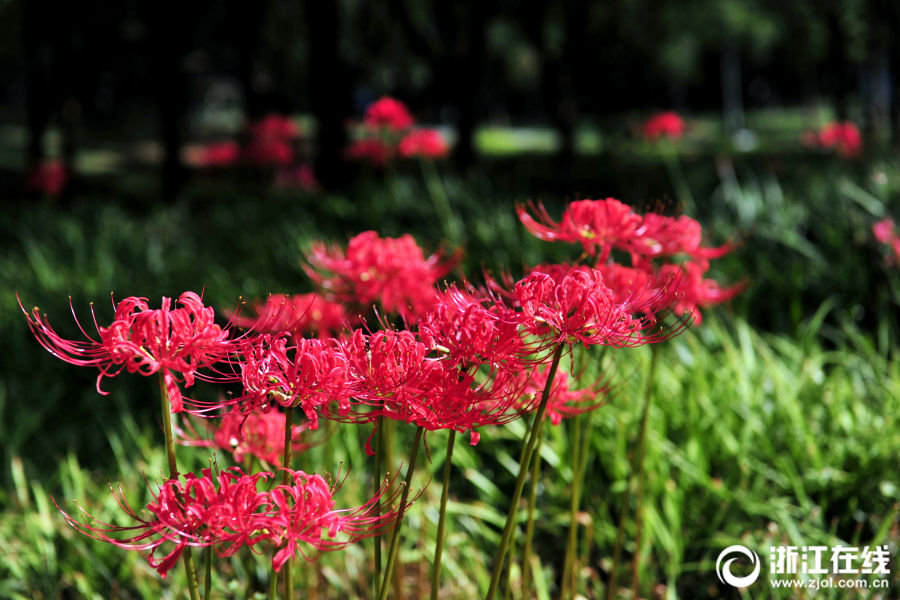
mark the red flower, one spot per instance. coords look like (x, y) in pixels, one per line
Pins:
(844, 138)
(595, 224)
(664, 125)
(311, 374)
(300, 177)
(472, 330)
(305, 513)
(376, 151)
(49, 177)
(298, 315)
(562, 402)
(144, 340)
(218, 154)
(424, 143)
(265, 152)
(393, 377)
(229, 512)
(274, 126)
(573, 304)
(390, 271)
(886, 232)
(388, 113)
(659, 235)
(693, 291)
(259, 434)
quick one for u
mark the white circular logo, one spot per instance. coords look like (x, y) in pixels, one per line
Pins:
(724, 570)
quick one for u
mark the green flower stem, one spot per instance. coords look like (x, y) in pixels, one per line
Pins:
(530, 443)
(450, 222)
(286, 480)
(273, 584)
(189, 569)
(676, 176)
(639, 473)
(567, 588)
(207, 580)
(395, 537)
(378, 478)
(529, 526)
(442, 520)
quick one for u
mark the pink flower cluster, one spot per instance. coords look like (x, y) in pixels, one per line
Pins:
(392, 273)
(842, 137)
(604, 226)
(228, 511)
(467, 358)
(886, 232)
(49, 177)
(388, 131)
(268, 144)
(664, 125)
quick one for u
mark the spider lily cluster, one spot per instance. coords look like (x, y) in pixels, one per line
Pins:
(467, 357)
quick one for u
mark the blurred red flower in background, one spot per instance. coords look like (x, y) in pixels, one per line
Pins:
(664, 125)
(49, 177)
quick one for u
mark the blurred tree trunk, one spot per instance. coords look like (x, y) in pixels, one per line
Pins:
(169, 39)
(37, 57)
(557, 77)
(462, 27)
(732, 89)
(331, 92)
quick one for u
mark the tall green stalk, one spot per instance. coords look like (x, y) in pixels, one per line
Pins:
(639, 473)
(529, 525)
(530, 443)
(452, 227)
(379, 474)
(442, 519)
(395, 537)
(567, 588)
(286, 480)
(188, 560)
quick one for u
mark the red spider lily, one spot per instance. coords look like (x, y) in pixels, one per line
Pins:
(562, 403)
(392, 377)
(194, 513)
(299, 177)
(144, 340)
(305, 513)
(311, 374)
(388, 113)
(659, 235)
(258, 434)
(299, 314)
(265, 152)
(274, 126)
(374, 150)
(392, 272)
(386, 368)
(844, 138)
(886, 232)
(49, 177)
(693, 290)
(423, 143)
(228, 512)
(595, 224)
(602, 225)
(216, 155)
(572, 305)
(473, 330)
(664, 125)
